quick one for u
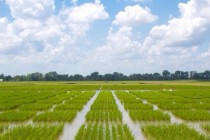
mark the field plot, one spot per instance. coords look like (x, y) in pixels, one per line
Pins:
(33, 133)
(139, 111)
(104, 132)
(41, 111)
(104, 109)
(171, 132)
(104, 121)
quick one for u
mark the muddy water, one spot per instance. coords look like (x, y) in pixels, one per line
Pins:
(134, 127)
(71, 129)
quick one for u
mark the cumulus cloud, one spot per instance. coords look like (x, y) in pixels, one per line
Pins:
(134, 15)
(188, 30)
(31, 8)
(29, 38)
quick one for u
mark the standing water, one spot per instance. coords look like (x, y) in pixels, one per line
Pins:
(134, 127)
(71, 129)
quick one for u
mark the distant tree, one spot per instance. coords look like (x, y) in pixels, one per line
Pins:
(166, 74)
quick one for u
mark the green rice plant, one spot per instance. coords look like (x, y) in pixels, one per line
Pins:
(56, 116)
(171, 132)
(103, 116)
(192, 115)
(149, 115)
(36, 106)
(127, 133)
(174, 106)
(2, 127)
(9, 105)
(120, 132)
(76, 107)
(107, 135)
(206, 127)
(201, 106)
(114, 133)
(80, 133)
(137, 106)
(16, 116)
(101, 132)
(29, 132)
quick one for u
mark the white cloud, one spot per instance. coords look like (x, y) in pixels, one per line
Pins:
(85, 13)
(31, 8)
(134, 15)
(188, 30)
(30, 39)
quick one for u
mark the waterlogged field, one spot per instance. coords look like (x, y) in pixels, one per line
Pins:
(177, 110)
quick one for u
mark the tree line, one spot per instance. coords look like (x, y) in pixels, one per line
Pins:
(95, 76)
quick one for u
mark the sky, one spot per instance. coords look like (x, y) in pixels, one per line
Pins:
(84, 36)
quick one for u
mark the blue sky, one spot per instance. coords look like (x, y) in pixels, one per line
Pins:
(83, 36)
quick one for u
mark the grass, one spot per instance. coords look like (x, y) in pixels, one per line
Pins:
(171, 132)
(29, 132)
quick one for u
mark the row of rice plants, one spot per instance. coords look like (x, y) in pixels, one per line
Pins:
(104, 132)
(56, 116)
(148, 115)
(36, 132)
(36, 106)
(171, 132)
(16, 116)
(139, 111)
(104, 108)
(104, 116)
(192, 115)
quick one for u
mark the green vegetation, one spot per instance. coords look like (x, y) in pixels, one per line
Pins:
(2, 127)
(29, 132)
(56, 116)
(171, 132)
(206, 127)
(102, 131)
(193, 115)
(149, 115)
(104, 109)
(16, 116)
(139, 111)
(48, 104)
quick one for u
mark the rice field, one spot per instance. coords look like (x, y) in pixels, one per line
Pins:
(161, 111)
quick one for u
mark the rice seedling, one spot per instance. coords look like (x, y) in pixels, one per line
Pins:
(44, 132)
(171, 132)
(16, 116)
(56, 116)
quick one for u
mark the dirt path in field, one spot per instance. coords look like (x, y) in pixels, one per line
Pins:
(134, 127)
(70, 130)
